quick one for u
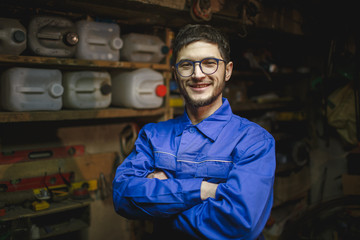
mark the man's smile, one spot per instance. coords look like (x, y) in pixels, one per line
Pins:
(199, 85)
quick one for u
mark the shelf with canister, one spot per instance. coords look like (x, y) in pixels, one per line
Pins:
(66, 71)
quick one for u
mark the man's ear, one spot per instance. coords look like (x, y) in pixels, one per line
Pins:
(228, 70)
(173, 72)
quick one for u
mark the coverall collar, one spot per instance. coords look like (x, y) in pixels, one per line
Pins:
(210, 126)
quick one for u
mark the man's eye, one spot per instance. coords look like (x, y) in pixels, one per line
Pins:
(185, 65)
(209, 62)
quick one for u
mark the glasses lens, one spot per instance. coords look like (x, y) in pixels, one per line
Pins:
(185, 68)
(209, 65)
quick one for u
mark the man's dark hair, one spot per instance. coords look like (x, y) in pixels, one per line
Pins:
(200, 32)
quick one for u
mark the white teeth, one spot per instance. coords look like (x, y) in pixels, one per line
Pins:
(200, 86)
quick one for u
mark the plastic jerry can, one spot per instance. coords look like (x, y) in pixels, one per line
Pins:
(31, 89)
(86, 89)
(98, 40)
(12, 36)
(52, 36)
(141, 88)
(143, 48)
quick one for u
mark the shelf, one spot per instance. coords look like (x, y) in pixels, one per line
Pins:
(63, 228)
(55, 207)
(76, 63)
(78, 114)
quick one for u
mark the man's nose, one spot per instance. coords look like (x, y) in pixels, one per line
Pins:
(197, 71)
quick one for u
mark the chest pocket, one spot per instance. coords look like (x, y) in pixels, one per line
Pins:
(164, 160)
(213, 168)
(207, 168)
(202, 168)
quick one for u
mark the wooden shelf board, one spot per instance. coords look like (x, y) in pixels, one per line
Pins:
(21, 212)
(77, 114)
(62, 228)
(72, 62)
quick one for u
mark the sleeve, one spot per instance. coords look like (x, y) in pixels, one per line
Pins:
(242, 204)
(137, 197)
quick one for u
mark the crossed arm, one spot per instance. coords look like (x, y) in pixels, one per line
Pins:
(207, 190)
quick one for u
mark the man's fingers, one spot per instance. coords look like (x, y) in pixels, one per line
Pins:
(160, 175)
(151, 175)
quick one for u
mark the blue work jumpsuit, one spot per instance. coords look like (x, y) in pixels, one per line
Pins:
(223, 148)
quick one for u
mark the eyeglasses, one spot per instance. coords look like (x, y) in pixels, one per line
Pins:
(208, 66)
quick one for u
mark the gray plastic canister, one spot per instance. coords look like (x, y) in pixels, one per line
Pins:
(52, 36)
(143, 48)
(12, 36)
(98, 41)
(86, 89)
(31, 89)
(142, 88)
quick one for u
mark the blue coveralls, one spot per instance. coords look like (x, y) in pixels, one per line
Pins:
(224, 148)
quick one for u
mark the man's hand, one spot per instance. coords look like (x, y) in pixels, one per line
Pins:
(208, 190)
(158, 174)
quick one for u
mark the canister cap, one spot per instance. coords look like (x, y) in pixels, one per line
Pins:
(56, 90)
(71, 39)
(165, 49)
(116, 43)
(19, 36)
(105, 89)
(161, 90)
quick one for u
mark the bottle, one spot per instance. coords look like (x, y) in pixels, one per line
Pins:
(86, 89)
(98, 41)
(52, 36)
(12, 36)
(31, 89)
(143, 48)
(141, 89)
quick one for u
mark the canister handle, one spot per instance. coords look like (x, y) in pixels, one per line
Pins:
(49, 35)
(96, 41)
(146, 49)
(23, 89)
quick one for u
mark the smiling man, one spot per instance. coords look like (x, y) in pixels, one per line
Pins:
(207, 174)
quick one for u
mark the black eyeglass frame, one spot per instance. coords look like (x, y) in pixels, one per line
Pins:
(194, 62)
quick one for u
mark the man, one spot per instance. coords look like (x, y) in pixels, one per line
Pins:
(207, 174)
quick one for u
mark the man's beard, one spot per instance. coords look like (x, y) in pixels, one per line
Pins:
(203, 102)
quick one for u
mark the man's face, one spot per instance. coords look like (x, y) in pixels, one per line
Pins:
(200, 89)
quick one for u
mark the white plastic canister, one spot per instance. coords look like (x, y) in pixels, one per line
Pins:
(143, 48)
(52, 36)
(98, 40)
(141, 88)
(31, 89)
(86, 89)
(12, 36)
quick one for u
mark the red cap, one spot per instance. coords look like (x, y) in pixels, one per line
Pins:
(161, 90)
